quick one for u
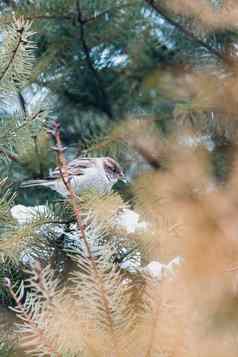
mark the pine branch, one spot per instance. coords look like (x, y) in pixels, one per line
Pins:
(31, 156)
(159, 10)
(37, 152)
(71, 17)
(106, 298)
(153, 315)
(9, 155)
(15, 129)
(41, 280)
(12, 56)
(94, 270)
(31, 312)
(104, 95)
(50, 17)
(148, 155)
(22, 104)
(16, 54)
(16, 238)
(64, 173)
(149, 318)
(108, 11)
(6, 201)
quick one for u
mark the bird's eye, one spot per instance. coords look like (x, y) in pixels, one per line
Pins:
(112, 168)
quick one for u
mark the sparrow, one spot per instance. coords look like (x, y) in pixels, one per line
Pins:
(98, 174)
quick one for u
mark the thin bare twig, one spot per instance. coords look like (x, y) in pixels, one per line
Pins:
(64, 173)
(73, 199)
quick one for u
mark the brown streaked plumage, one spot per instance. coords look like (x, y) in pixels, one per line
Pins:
(99, 174)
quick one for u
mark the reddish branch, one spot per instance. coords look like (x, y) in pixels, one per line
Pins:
(73, 199)
(64, 173)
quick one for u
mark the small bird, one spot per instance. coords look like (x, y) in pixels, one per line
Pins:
(98, 174)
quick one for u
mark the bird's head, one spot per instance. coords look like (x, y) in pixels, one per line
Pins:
(113, 170)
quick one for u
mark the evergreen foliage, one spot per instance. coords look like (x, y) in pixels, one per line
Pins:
(144, 82)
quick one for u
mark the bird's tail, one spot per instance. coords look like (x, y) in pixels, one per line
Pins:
(32, 183)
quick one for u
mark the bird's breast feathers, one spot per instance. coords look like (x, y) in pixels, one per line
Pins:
(90, 178)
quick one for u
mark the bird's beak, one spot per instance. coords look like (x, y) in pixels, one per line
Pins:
(123, 178)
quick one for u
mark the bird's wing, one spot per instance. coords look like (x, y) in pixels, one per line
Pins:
(76, 167)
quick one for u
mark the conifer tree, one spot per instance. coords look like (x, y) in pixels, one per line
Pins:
(139, 80)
